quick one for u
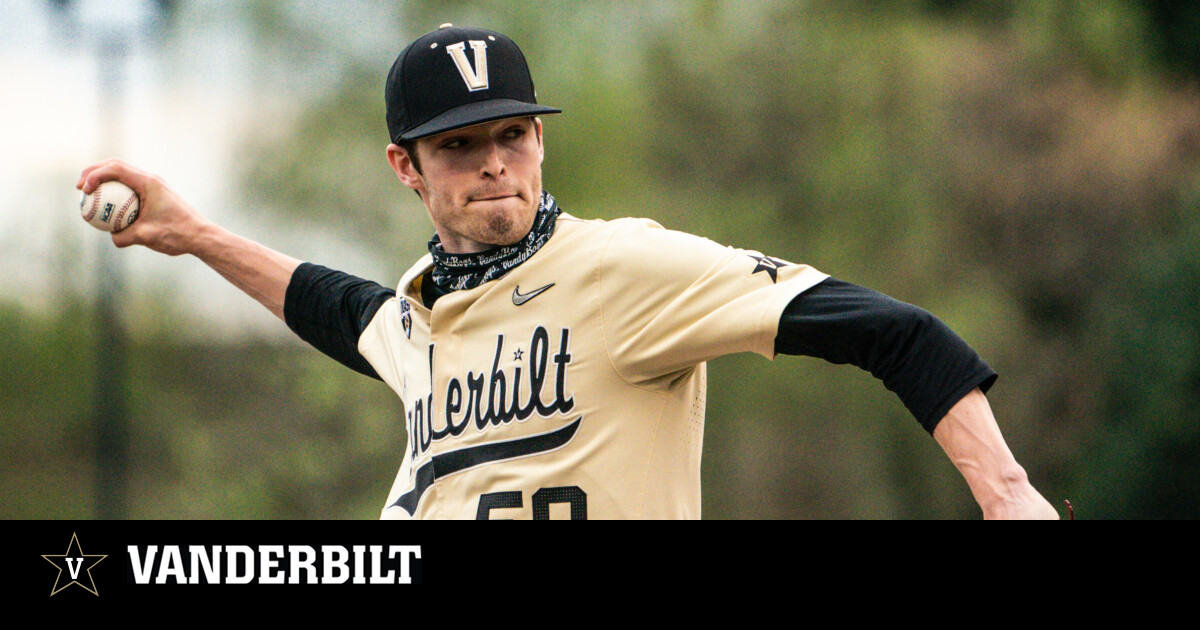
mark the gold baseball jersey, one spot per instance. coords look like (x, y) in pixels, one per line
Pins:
(574, 385)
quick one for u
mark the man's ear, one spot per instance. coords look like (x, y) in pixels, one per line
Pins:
(537, 124)
(403, 166)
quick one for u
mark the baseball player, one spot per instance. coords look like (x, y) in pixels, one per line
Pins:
(553, 366)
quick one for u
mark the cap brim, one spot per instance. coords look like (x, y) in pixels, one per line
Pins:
(475, 113)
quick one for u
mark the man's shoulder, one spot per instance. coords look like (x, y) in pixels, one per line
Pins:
(577, 238)
(601, 231)
(629, 240)
(568, 222)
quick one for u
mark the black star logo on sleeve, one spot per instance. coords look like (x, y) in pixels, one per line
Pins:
(769, 265)
(76, 565)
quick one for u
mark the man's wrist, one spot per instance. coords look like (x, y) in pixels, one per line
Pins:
(1006, 488)
(1030, 506)
(204, 239)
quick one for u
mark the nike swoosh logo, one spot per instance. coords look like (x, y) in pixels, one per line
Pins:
(521, 298)
(446, 464)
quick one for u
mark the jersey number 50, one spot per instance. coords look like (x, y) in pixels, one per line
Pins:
(542, 499)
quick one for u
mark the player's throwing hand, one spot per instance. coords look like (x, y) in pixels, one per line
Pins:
(166, 224)
(169, 225)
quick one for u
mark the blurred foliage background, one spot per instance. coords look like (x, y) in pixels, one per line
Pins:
(1028, 170)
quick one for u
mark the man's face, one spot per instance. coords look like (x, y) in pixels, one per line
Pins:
(481, 184)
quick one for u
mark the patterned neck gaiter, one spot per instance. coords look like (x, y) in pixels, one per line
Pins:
(452, 272)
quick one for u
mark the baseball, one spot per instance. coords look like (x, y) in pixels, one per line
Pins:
(111, 207)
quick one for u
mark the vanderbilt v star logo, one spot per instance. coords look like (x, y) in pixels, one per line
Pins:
(476, 79)
(77, 565)
(521, 298)
(769, 265)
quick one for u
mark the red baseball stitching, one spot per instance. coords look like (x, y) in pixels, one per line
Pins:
(120, 213)
(95, 206)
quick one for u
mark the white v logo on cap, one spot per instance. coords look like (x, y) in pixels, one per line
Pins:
(423, 95)
(476, 79)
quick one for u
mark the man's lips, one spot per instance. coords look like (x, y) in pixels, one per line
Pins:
(494, 197)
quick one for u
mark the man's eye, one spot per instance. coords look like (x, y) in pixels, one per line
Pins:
(455, 144)
(515, 132)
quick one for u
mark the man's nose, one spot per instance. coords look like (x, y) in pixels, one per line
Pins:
(493, 160)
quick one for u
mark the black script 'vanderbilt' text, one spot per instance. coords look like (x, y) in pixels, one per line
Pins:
(491, 399)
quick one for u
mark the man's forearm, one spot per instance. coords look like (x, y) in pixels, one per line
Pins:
(261, 272)
(169, 225)
(971, 438)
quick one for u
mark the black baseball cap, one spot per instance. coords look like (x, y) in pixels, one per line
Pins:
(457, 77)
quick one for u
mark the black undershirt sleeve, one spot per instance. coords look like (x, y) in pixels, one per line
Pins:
(915, 354)
(330, 309)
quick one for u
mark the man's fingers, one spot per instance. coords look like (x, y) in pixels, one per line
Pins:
(103, 172)
(86, 171)
(108, 170)
(124, 238)
(83, 182)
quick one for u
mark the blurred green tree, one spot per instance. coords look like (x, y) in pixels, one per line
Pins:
(1025, 170)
